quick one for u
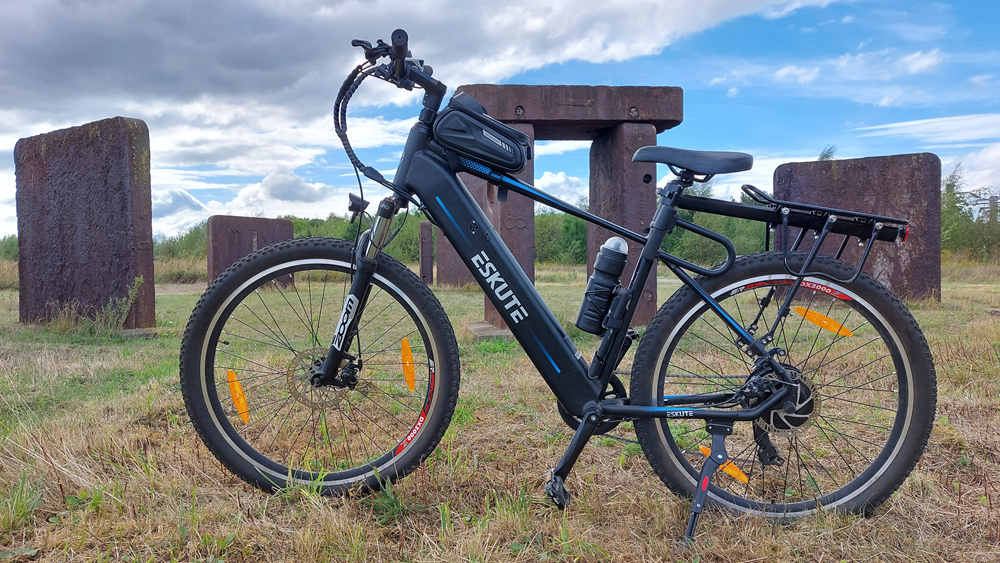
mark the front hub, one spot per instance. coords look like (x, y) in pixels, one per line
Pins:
(300, 377)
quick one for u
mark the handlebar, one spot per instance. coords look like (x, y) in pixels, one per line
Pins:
(402, 71)
(399, 50)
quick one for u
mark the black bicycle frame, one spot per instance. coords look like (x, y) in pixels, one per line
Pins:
(429, 172)
(431, 176)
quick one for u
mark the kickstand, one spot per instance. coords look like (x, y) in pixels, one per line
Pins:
(555, 488)
(717, 457)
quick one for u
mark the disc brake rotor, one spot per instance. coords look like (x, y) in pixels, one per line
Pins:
(795, 413)
(297, 377)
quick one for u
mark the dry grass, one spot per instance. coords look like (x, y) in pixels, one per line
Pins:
(98, 460)
(960, 268)
(180, 270)
(8, 274)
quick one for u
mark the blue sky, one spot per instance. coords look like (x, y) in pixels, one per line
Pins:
(237, 95)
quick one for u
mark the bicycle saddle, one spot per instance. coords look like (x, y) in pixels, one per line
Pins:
(699, 162)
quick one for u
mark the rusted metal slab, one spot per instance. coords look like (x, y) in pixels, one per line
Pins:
(905, 185)
(84, 219)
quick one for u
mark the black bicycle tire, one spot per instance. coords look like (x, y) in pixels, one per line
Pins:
(663, 456)
(192, 374)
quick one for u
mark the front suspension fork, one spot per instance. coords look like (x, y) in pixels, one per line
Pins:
(365, 260)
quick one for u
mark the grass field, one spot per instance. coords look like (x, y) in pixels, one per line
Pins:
(98, 461)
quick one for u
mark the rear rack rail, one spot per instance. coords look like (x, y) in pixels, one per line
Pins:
(823, 221)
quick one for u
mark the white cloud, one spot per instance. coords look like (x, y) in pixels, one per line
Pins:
(170, 202)
(882, 77)
(981, 80)
(8, 218)
(920, 61)
(954, 129)
(761, 176)
(733, 92)
(221, 102)
(543, 148)
(918, 31)
(802, 75)
(563, 186)
(981, 168)
(847, 19)
(783, 9)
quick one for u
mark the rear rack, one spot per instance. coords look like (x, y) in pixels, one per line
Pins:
(823, 221)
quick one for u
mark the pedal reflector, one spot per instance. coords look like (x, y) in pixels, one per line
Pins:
(409, 372)
(729, 468)
(239, 399)
(823, 321)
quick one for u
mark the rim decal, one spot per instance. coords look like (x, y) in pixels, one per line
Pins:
(808, 284)
(420, 419)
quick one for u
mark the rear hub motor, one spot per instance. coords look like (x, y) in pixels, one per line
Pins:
(800, 406)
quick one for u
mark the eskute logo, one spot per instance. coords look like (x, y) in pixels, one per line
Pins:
(350, 307)
(491, 276)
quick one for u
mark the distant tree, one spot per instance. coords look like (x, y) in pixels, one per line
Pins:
(192, 244)
(8, 247)
(956, 215)
(827, 153)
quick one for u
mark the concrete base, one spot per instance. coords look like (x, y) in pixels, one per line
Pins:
(483, 330)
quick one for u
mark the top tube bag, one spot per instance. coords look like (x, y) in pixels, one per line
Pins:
(465, 128)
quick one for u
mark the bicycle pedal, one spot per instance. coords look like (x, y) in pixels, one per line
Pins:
(555, 489)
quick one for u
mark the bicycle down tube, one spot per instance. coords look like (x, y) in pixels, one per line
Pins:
(503, 280)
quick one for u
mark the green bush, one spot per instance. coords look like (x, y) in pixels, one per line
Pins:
(8, 247)
(192, 244)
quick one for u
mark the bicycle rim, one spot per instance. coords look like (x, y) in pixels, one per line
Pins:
(854, 365)
(262, 342)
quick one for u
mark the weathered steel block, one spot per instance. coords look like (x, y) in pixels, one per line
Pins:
(906, 186)
(516, 223)
(619, 194)
(427, 252)
(580, 112)
(231, 238)
(84, 219)
(450, 268)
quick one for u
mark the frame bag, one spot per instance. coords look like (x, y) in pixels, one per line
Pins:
(464, 128)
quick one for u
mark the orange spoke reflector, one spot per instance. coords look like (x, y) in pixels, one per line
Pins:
(823, 321)
(409, 372)
(729, 468)
(239, 399)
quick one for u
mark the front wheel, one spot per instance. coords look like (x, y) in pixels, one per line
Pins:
(260, 328)
(863, 409)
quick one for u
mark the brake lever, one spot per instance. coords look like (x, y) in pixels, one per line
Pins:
(373, 54)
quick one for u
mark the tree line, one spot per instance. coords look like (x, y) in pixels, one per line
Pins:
(562, 238)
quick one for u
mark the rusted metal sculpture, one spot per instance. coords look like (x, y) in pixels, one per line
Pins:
(84, 220)
(231, 238)
(906, 185)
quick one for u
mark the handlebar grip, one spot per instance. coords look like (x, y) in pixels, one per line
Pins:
(399, 41)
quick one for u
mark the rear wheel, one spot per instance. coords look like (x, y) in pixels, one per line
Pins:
(863, 409)
(265, 322)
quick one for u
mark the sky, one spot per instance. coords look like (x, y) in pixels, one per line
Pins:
(237, 95)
